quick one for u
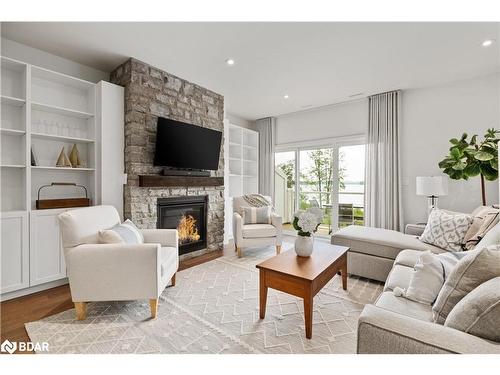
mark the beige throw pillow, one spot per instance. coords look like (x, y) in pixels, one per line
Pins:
(471, 271)
(484, 218)
(429, 275)
(478, 313)
(257, 215)
(446, 229)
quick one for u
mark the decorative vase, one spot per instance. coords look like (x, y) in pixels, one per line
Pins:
(304, 245)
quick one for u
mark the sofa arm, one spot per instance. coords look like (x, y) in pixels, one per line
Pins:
(165, 237)
(113, 272)
(237, 228)
(385, 332)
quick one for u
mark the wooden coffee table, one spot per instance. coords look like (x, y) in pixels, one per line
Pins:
(302, 277)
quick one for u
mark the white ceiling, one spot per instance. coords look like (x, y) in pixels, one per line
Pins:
(314, 63)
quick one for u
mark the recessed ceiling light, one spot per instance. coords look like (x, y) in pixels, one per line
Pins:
(285, 96)
(230, 62)
(487, 43)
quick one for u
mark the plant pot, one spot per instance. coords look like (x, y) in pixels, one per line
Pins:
(304, 246)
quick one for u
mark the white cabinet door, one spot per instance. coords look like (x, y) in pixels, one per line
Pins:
(46, 251)
(15, 251)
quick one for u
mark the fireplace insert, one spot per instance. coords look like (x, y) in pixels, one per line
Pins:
(189, 216)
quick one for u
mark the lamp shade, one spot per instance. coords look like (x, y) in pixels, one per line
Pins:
(432, 186)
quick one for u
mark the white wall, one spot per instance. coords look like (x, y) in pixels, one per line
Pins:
(244, 123)
(46, 60)
(344, 119)
(430, 117)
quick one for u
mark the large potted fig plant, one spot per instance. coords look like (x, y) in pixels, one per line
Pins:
(470, 158)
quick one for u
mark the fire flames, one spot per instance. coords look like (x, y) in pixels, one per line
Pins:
(187, 230)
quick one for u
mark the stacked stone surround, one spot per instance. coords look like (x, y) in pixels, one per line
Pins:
(151, 93)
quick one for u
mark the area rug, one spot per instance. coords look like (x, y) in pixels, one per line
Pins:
(214, 309)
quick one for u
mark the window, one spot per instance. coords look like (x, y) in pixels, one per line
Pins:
(327, 177)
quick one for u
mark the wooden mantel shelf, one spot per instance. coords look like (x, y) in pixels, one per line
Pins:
(178, 181)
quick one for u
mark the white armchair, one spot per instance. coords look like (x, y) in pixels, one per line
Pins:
(115, 272)
(246, 235)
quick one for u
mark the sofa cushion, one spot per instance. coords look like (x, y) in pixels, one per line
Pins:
(398, 278)
(478, 313)
(379, 242)
(404, 306)
(446, 229)
(471, 271)
(258, 230)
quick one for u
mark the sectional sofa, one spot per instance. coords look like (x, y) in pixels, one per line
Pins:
(394, 324)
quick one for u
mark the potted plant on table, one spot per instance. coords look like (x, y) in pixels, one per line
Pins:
(306, 223)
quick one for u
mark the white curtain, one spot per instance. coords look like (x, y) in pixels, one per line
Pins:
(265, 128)
(383, 175)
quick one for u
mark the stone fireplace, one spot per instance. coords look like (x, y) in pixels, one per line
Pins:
(189, 216)
(151, 93)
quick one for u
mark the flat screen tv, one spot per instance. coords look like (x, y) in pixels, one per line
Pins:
(185, 146)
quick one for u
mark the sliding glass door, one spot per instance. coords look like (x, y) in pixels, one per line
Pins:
(316, 183)
(329, 177)
(284, 186)
(351, 192)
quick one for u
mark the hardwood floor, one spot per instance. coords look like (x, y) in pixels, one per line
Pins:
(16, 312)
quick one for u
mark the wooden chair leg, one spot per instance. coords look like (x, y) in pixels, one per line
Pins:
(172, 280)
(278, 249)
(81, 310)
(238, 249)
(153, 304)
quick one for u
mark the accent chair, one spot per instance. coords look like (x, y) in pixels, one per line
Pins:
(250, 235)
(115, 272)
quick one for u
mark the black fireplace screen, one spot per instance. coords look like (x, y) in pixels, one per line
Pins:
(189, 216)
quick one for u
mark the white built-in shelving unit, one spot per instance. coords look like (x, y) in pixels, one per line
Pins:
(45, 111)
(242, 166)
(243, 161)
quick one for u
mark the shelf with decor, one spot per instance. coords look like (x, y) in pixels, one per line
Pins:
(44, 111)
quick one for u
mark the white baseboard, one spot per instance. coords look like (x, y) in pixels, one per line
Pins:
(33, 289)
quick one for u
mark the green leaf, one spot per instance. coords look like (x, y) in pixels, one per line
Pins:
(460, 166)
(489, 172)
(483, 156)
(463, 136)
(472, 170)
(454, 141)
(455, 153)
(473, 140)
(494, 164)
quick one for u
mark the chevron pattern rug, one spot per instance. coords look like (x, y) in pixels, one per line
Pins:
(214, 309)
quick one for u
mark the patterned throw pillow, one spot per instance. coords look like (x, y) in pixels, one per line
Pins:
(125, 232)
(446, 229)
(257, 215)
